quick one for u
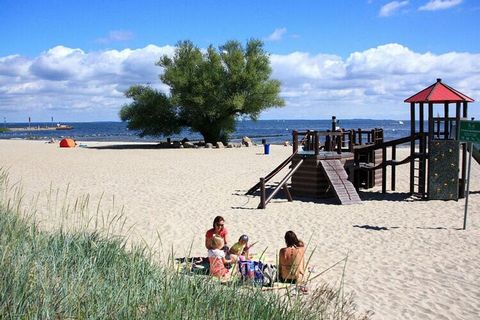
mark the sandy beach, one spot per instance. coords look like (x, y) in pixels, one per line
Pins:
(407, 258)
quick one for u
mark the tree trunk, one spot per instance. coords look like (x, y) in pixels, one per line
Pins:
(211, 135)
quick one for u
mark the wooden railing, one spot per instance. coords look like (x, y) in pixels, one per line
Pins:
(264, 200)
(269, 176)
(393, 162)
(279, 168)
(361, 137)
(444, 127)
(337, 141)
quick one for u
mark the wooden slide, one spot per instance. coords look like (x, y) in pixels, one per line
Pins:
(342, 187)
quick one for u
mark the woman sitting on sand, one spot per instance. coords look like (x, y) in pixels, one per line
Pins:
(218, 229)
(216, 257)
(292, 259)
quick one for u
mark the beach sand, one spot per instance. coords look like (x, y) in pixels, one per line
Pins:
(407, 259)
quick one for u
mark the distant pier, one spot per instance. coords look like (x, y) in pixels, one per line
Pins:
(42, 128)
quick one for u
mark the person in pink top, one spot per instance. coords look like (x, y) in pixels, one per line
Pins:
(216, 257)
(218, 229)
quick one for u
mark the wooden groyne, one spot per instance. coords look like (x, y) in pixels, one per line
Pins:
(40, 128)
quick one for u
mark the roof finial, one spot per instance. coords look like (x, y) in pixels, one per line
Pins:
(439, 80)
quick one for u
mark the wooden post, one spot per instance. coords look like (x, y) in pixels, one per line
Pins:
(334, 123)
(446, 121)
(412, 146)
(421, 145)
(423, 167)
(457, 121)
(465, 110)
(327, 142)
(306, 141)
(339, 144)
(430, 135)
(351, 140)
(262, 194)
(317, 142)
(394, 157)
(356, 173)
(423, 152)
(295, 140)
(430, 123)
(384, 170)
(354, 135)
(359, 136)
(421, 114)
(287, 193)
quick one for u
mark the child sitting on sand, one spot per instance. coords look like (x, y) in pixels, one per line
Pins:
(240, 248)
(216, 257)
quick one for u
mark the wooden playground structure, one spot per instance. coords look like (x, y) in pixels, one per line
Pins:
(337, 162)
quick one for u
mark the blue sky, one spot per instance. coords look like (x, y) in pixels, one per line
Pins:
(356, 59)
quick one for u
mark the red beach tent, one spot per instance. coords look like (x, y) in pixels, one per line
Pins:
(67, 143)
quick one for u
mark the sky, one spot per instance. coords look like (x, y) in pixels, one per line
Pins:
(73, 60)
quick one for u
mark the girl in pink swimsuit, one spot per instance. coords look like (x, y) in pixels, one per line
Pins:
(216, 257)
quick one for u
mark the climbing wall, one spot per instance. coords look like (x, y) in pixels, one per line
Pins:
(443, 166)
(338, 180)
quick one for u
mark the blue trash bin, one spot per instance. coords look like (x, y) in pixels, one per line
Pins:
(266, 148)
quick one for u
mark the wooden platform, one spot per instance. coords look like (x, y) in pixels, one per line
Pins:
(310, 180)
(344, 190)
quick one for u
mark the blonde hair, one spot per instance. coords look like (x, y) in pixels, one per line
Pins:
(217, 242)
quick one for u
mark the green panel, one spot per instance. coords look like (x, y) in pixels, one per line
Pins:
(470, 131)
(443, 170)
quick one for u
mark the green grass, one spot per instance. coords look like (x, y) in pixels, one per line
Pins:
(3, 129)
(80, 275)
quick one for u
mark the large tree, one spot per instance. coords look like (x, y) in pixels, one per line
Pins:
(208, 91)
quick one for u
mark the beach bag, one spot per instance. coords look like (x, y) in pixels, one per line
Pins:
(251, 271)
(269, 274)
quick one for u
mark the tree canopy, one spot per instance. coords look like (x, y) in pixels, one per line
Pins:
(208, 91)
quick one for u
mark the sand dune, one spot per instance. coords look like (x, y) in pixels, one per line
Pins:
(407, 259)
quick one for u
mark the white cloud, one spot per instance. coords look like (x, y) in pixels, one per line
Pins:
(116, 36)
(367, 84)
(277, 34)
(67, 78)
(390, 8)
(434, 5)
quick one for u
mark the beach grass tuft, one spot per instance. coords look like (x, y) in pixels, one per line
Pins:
(78, 275)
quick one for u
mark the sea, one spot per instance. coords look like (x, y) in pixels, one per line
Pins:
(273, 131)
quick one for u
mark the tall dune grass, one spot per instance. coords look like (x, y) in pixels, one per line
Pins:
(92, 275)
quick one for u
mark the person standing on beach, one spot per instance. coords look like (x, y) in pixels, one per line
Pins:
(218, 229)
(292, 259)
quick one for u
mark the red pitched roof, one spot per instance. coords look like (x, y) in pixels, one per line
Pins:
(439, 93)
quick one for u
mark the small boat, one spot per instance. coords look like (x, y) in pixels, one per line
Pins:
(400, 122)
(63, 127)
